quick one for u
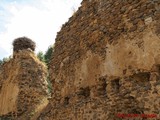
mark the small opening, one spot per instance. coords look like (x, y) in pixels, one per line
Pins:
(66, 100)
(135, 111)
(115, 85)
(158, 68)
(84, 91)
(142, 78)
(101, 87)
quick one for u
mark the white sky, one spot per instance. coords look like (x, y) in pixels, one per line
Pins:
(38, 20)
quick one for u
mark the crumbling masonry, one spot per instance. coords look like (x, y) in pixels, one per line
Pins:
(23, 85)
(106, 61)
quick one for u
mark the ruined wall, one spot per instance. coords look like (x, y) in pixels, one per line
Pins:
(23, 87)
(106, 61)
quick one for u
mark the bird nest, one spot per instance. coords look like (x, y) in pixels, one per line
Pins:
(23, 43)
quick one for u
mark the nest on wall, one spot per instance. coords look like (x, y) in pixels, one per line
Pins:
(22, 43)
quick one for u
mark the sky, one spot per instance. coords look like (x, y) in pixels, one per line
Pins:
(39, 20)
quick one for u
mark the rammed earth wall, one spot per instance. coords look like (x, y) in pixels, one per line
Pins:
(23, 87)
(107, 61)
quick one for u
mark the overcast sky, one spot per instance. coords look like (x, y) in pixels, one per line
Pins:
(39, 20)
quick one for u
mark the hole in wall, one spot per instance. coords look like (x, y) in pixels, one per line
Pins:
(84, 91)
(115, 85)
(101, 86)
(66, 100)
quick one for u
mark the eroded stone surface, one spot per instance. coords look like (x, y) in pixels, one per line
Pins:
(106, 61)
(23, 87)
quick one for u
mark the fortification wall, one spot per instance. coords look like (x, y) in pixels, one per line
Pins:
(106, 61)
(23, 87)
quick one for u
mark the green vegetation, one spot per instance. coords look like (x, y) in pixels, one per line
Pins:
(40, 56)
(4, 60)
(48, 54)
(49, 85)
(1, 62)
(45, 57)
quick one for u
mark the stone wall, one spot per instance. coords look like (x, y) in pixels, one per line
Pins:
(106, 61)
(23, 87)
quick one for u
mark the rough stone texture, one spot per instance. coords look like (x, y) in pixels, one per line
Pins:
(106, 61)
(23, 87)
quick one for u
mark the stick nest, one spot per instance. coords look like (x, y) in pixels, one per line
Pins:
(23, 43)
